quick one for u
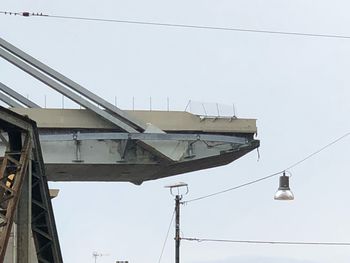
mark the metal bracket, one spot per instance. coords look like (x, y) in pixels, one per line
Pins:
(77, 148)
(190, 153)
(123, 146)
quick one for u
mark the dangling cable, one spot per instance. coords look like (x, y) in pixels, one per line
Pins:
(166, 237)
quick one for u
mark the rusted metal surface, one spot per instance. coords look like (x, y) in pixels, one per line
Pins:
(41, 222)
(13, 170)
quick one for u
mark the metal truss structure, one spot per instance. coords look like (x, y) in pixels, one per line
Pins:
(24, 190)
(13, 171)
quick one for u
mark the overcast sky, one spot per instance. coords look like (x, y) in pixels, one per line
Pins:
(297, 88)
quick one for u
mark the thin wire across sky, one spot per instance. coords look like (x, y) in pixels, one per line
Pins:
(266, 242)
(271, 175)
(179, 25)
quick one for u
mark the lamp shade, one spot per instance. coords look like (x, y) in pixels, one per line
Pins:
(284, 193)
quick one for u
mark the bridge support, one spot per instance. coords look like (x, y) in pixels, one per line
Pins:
(24, 194)
(24, 231)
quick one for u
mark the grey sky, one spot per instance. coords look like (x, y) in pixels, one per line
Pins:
(296, 87)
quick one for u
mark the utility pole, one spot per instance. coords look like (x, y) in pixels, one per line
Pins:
(178, 198)
(95, 255)
(177, 228)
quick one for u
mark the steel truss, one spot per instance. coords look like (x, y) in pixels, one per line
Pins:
(13, 170)
(21, 161)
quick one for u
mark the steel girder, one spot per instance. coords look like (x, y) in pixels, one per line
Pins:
(68, 88)
(18, 97)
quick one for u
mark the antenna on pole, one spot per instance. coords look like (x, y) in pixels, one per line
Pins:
(96, 255)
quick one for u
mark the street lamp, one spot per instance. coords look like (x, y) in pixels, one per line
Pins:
(178, 198)
(284, 193)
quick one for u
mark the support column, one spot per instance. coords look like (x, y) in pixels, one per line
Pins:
(24, 220)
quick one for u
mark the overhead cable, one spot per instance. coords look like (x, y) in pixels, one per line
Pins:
(178, 25)
(166, 237)
(268, 242)
(318, 151)
(232, 188)
(271, 175)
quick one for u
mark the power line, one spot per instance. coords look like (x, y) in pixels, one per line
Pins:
(268, 242)
(271, 175)
(318, 151)
(176, 25)
(233, 188)
(166, 237)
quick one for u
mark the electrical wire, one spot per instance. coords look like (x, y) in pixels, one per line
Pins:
(268, 242)
(271, 175)
(166, 237)
(320, 150)
(176, 25)
(232, 188)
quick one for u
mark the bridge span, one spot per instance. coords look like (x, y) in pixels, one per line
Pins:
(99, 142)
(77, 145)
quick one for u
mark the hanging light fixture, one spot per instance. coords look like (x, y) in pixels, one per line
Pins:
(284, 192)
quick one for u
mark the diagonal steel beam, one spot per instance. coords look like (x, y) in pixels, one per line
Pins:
(9, 101)
(63, 90)
(136, 124)
(18, 97)
(54, 79)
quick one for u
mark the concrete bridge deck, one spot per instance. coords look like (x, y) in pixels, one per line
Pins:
(78, 145)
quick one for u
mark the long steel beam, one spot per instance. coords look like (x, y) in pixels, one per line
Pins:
(18, 97)
(26, 67)
(143, 136)
(75, 86)
(9, 101)
(60, 88)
